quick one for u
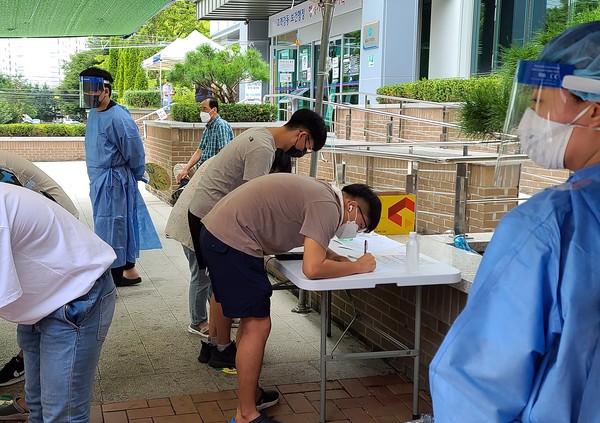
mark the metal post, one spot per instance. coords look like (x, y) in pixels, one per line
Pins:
(412, 184)
(328, 6)
(349, 124)
(390, 130)
(460, 199)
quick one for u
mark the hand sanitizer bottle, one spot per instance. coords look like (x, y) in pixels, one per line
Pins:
(412, 253)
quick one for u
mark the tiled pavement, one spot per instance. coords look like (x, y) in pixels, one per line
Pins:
(372, 399)
(150, 355)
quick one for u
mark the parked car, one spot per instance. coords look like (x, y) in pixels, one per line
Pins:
(71, 122)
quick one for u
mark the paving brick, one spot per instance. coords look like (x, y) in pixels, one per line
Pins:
(401, 388)
(280, 410)
(158, 402)
(146, 420)
(115, 417)
(357, 402)
(180, 418)
(150, 412)
(210, 411)
(96, 414)
(300, 418)
(389, 379)
(228, 404)
(358, 415)
(331, 395)
(120, 406)
(355, 388)
(298, 387)
(299, 403)
(183, 404)
(332, 412)
(388, 419)
(213, 396)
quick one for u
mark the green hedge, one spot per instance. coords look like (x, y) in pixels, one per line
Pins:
(438, 90)
(41, 130)
(148, 99)
(190, 112)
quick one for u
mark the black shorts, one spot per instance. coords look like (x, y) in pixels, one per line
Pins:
(239, 280)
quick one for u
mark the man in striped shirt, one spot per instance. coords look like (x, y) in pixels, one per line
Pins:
(216, 135)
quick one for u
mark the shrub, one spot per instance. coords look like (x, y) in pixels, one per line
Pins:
(41, 130)
(149, 99)
(437, 90)
(190, 112)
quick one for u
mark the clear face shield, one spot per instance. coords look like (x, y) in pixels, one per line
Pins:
(90, 90)
(541, 116)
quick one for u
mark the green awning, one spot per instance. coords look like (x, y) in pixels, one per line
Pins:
(75, 18)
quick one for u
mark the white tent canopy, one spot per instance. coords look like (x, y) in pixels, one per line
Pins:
(176, 51)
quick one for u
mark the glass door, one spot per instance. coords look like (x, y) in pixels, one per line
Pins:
(333, 80)
(350, 67)
(284, 76)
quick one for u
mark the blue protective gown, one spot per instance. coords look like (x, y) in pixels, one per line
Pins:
(526, 347)
(115, 159)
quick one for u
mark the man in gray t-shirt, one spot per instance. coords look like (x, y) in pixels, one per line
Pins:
(246, 157)
(271, 215)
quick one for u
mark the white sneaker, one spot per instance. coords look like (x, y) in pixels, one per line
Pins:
(235, 323)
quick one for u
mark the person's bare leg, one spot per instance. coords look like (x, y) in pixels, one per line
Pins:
(252, 338)
(223, 324)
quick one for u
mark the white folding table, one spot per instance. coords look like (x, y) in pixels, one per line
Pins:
(431, 272)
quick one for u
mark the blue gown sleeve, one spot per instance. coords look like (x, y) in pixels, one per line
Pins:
(485, 369)
(130, 144)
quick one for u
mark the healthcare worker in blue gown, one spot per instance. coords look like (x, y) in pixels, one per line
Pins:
(526, 348)
(115, 159)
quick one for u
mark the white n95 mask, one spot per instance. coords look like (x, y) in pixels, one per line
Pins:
(204, 117)
(545, 141)
(349, 229)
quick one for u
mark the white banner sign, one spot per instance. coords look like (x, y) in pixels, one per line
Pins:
(305, 14)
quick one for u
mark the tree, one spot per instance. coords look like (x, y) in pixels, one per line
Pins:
(221, 72)
(177, 20)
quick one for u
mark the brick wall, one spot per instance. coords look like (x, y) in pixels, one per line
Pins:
(45, 149)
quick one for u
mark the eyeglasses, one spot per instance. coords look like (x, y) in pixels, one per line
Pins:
(364, 229)
(307, 148)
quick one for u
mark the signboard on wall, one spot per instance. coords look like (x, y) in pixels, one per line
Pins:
(370, 35)
(305, 14)
(286, 65)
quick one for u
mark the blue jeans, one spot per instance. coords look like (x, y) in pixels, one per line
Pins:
(61, 352)
(200, 289)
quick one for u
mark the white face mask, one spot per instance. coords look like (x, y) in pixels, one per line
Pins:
(545, 141)
(204, 117)
(349, 229)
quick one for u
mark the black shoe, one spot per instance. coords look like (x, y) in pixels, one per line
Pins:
(267, 399)
(223, 359)
(128, 282)
(205, 352)
(13, 412)
(12, 372)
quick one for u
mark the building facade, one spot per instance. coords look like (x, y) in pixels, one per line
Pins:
(386, 42)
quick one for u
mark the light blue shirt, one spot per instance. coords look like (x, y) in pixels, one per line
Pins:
(526, 346)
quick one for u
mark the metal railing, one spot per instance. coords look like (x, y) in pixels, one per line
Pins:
(388, 134)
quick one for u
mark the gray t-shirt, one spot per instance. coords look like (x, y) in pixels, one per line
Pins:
(274, 213)
(247, 156)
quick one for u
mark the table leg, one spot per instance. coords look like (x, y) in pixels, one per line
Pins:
(323, 370)
(418, 301)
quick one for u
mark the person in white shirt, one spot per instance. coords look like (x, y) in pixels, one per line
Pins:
(55, 282)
